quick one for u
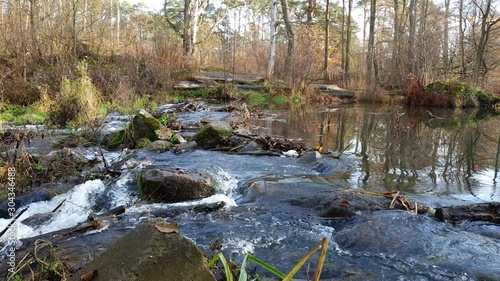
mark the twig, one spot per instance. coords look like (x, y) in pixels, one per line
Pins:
(391, 206)
(12, 222)
(59, 206)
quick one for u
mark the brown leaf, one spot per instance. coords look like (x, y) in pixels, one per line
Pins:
(166, 227)
(89, 276)
(345, 203)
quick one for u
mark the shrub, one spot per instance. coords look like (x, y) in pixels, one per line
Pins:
(78, 102)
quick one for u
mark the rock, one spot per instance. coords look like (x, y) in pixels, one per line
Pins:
(169, 108)
(477, 212)
(238, 116)
(251, 147)
(160, 146)
(144, 125)
(111, 127)
(310, 158)
(186, 146)
(162, 185)
(146, 254)
(213, 134)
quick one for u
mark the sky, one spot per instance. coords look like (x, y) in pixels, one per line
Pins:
(152, 4)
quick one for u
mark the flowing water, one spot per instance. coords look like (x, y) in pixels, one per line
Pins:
(270, 201)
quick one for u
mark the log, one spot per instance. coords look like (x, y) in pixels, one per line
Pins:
(489, 212)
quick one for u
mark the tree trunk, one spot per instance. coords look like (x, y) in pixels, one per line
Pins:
(34, 26)
(396, 47)
(348, 39)
(118, 18)
(342, 37)
(291, 39)
(186, 37)
(480, 65)
(327, 35)
(446, 38)
(411, 40)
(462, 38)
(370, 77)
(311, 5)
(272, 38)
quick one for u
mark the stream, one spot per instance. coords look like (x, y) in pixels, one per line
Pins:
(270, 202)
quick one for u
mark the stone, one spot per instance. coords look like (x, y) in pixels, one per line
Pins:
(160, 146)
(185, 147)
(146, 254)
(310, 158)
(144, 125)
(213, 134)
(170, 186)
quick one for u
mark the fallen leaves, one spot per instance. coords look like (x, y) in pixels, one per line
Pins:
(166, 227)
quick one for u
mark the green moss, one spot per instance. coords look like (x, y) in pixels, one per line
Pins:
(118, 139)
(280, 99)
(22, 115)
(255, 99)
(143, 143)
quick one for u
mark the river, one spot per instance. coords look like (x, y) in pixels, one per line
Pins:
(270, 201)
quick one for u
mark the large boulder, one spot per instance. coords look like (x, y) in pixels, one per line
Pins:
(213, 134)
(170, 186)
(148, 254)
(142, 127)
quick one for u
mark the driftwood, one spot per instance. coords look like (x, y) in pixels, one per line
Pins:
(489, 212)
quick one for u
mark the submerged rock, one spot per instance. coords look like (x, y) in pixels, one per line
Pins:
(146, 254)
(160, 146)
(162, 185)
(213, 134)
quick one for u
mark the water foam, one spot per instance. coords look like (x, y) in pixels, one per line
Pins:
(75, 209)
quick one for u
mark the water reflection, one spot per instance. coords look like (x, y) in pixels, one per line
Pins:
(403, 149)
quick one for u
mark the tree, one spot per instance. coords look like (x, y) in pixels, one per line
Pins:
(370, 61)
(272, 39)
(290, 37)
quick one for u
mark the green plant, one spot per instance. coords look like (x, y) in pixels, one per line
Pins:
(280, 99)
(79, 101)
(257, 99)
(243, 275)
(164, 119)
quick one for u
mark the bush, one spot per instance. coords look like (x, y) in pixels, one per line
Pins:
(78, 102)
(451, 94)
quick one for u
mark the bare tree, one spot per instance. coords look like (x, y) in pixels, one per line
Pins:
(290, 37)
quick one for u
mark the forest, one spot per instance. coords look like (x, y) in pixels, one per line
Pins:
(378, 48)
(215, 140)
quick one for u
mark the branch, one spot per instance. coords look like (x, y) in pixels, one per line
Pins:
(169, 22)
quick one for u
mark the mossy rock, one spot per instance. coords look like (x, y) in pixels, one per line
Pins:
(118, 139)
(143, 127)
(147, 254)
(213, 134)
